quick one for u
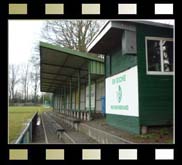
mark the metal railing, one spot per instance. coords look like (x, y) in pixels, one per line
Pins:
(26, 134)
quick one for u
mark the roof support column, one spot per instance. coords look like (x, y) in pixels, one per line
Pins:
(65, 98)
(54, 105)
(57, 105)
(75, 99)
(50, 100)
(53, 101)
(89, 88)
(95, 96)
(62, 98)
(59, 98)
(79, 90)
(71, 94)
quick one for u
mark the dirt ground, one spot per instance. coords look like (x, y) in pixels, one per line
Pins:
(159, 135)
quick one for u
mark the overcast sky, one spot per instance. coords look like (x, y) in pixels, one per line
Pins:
(22, 36)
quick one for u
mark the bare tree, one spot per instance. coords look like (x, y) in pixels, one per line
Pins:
(18, 96)
(25, 80)
(35, 75)
(13, 80)
(74, 34)
(35, 72)
(35, 58)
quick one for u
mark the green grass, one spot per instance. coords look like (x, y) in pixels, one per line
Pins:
(17, 118)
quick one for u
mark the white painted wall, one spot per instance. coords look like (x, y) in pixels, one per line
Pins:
(127, 82)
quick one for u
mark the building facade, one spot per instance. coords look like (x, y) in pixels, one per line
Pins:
(139, 70)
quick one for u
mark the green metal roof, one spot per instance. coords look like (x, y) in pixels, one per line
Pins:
(59, 65)
(89, 56)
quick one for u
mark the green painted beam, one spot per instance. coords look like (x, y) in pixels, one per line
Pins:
(53, 101)
(78, 90)
(64, 98)
(63, 66)
(56, 101)
(89, 85)
(60, 74)
(88, 56)
(75, 100)
(71, 94)
(59, 99)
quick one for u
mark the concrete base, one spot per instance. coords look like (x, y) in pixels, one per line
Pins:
(88, 116)
(144, 130)
(81, 115)
(78, 115)
(84, 116)
(76, 126)
(74, 115)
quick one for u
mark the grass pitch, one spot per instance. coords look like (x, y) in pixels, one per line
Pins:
(18, 117)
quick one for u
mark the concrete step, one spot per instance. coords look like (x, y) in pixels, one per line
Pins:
(49, 130)
(71, 134)
(96, 132)
(102, 137)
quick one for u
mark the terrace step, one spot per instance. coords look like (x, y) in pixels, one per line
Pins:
(50, 129)
(70, 131)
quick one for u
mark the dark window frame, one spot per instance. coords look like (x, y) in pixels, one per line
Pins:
(161, 72)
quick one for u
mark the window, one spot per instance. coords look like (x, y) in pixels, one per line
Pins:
(153, 52)
(159, 55)
(167, 47)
